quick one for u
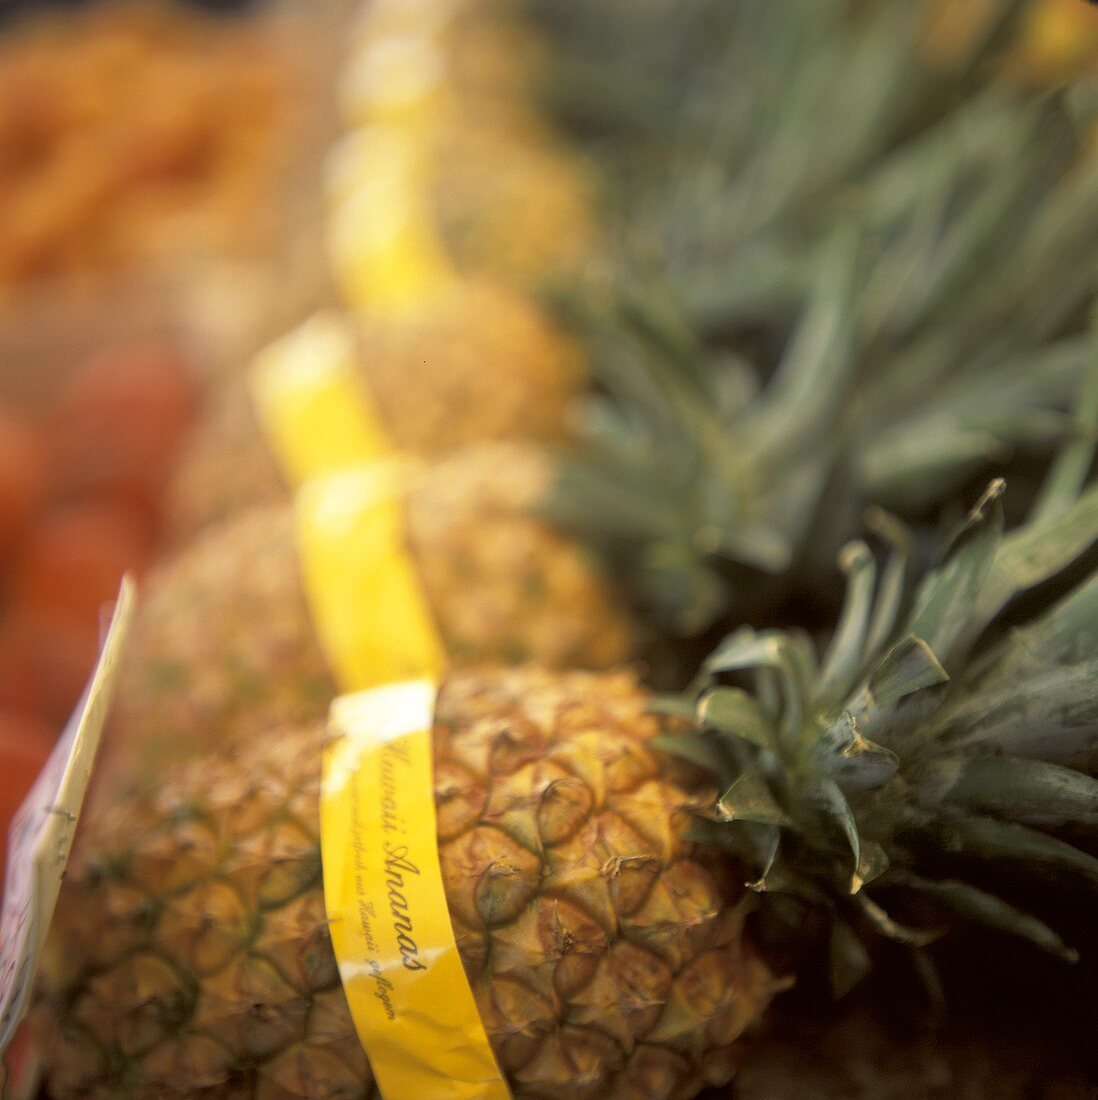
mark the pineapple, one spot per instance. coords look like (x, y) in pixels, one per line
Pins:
(470, 363)
(191, 955)
(494, 52)
(224, 637)
(510, 201)
(619, 867)
(595, 884)
(473, 362)
(226, 466)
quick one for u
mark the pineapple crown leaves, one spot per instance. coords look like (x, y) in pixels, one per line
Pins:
(695, 471)
(937, 344)
(620, 68)
(910, 746)
(969, 254)
(743, 178)
(690, 465)
(713, 74)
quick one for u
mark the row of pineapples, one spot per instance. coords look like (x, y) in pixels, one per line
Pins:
(823, 280)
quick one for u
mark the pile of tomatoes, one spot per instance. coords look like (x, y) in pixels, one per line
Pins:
(81, 486)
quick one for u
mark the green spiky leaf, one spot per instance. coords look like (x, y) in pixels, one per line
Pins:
(843, 754)
(751, 799)
(987, 909)
(985, 840)
(945, 601)
(1030, 792)
(848, 960)
(736, 713)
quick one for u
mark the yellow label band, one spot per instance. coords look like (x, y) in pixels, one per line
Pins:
(368, 606)
(316, 413)
(394, 78)
(383, 246)
(409, 996)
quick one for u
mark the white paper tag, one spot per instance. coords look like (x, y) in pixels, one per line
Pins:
(42, 831)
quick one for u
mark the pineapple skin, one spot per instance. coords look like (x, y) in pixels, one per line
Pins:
(472, 363)
(224, 638)
(495, 53)
(226, 466)
(190, 954)
(512, 201)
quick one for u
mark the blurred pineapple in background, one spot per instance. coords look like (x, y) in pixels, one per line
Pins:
(453, 352)
(510, 199)
(511, 203)
(224, 643)
(467, 363)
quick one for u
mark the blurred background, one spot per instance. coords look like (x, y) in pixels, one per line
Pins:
(164, 168)
(158, 173)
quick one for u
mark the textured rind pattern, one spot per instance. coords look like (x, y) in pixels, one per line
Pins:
(224, 638)
(517, 204)
(223, 641)
(473, 363)
(226, 468)
(504, 585)
(190, 955)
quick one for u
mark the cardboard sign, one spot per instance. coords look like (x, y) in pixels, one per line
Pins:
(43, 829)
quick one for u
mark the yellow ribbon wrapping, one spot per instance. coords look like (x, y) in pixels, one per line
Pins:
(317, 416)
(368, 606)
(407, 989)
(382, 245)
(410, 1000)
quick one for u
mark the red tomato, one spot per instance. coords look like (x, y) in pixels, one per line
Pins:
(119, 423)
(71, 561)
(21, 686)
(22, 472)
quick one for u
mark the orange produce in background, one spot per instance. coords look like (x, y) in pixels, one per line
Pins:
(118, 425)
(80, 489)
(136, 133)
(22, 472)
(70, 560)
(22, 685)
